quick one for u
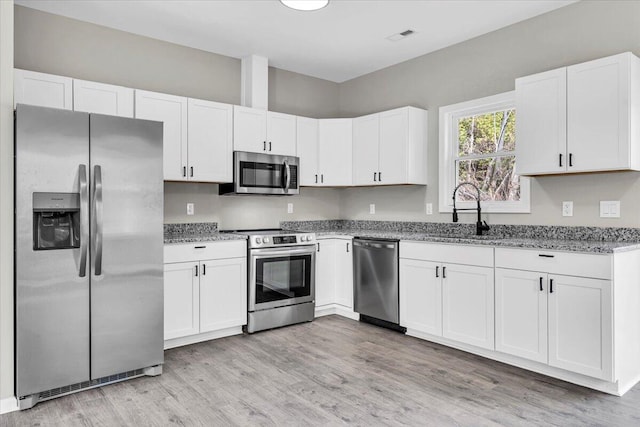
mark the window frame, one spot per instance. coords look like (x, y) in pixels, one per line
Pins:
(448, 149)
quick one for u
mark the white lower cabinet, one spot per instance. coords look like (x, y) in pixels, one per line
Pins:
(442, 298)
(334, 277)
(467, 304)
(565, 321)
(205, 291)
(181, 300)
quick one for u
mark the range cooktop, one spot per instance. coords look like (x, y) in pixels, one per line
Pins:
(275, 237)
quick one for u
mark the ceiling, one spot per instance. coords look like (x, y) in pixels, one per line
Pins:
(346, 39)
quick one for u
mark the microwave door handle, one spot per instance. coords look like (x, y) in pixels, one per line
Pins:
(97, 200)
(287, 176)
(84, 219)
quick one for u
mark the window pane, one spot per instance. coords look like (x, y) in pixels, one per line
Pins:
(487, 133)
(494, 177)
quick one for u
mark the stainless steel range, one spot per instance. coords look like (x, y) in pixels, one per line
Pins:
(281, 278)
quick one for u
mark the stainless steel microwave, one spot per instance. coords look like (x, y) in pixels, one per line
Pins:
(256, 173)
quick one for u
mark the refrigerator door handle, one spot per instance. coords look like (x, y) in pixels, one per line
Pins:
(84, 219)
(97, 200)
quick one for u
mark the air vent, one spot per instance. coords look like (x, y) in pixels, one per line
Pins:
(399, 36)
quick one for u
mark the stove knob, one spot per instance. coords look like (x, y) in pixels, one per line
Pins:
(258, 240)
(309, 238)
(266, 240)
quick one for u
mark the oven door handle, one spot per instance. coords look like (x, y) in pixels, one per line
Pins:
(265, 253)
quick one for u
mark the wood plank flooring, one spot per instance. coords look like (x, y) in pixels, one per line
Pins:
(333, 371)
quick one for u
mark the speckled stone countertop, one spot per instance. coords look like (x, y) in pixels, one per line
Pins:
(600, 240)
(197, 232)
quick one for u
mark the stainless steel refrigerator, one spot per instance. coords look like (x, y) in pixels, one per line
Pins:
(89, 251)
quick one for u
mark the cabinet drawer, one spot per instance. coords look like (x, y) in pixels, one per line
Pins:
(571, 264)
(185, 252)
(448, 253)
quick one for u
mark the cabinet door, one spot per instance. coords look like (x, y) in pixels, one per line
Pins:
(598, 114)
(421, 296)
(335, 137)
(223, 294)
(580, 326)
(210, 147)
(394, 140)
(249, 129)
(366, 140)
(521, 313)
(325, 273)
(307, 143)
(92, 97)
(467, 304)
(541, 117)
(172, 111)
(181, 306)
(344, 273)
(43, 90)
(281, 134)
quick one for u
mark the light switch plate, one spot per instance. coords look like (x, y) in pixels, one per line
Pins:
(610, 209)
(372, 208)
(429, 208)
(190, 208)
(567, 208)
(289, 207)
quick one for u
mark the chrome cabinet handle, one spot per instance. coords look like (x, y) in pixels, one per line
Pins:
(84, 219)
(97, 197)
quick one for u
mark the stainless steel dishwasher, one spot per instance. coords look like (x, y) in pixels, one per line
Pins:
(375, 274)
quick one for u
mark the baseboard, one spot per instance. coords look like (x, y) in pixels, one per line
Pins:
(8, 404)
(329, 309)
(193, 339)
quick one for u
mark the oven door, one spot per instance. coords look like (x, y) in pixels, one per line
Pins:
(281, 276)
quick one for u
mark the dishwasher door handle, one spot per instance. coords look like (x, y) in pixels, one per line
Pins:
(374, 245)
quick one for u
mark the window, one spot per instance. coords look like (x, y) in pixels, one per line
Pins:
(477, 145)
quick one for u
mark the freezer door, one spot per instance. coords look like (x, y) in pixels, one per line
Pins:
(52, 290)
(127, 245)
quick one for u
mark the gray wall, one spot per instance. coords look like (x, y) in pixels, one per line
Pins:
(82, 50)
(488, 65)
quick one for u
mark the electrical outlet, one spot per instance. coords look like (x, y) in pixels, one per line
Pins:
(191, 209)
(610, 209)
(429, 208)
(567, 208)
(372, 209)
(289, 207)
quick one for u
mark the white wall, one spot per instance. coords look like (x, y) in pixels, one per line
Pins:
(488, 65)
(6, 199)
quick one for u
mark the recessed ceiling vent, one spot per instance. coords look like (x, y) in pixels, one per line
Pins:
(400, 36)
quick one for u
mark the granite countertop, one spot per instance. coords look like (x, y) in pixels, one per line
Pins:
(566, 245)
(197, 232)
(567, 239)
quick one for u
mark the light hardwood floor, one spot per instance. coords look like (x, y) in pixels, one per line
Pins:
(333, 371)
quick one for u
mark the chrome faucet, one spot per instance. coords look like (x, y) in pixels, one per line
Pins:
(480, 224)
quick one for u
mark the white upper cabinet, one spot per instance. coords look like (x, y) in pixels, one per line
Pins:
(366, 146)
(172, 111)
(261, 131)
(541, 128)
(100, 98)
(249, 129)
(307, 149)
(210, 141)
(281, 134)
(44, 90)
(390, 147)
(580, 118)
(335, 152)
